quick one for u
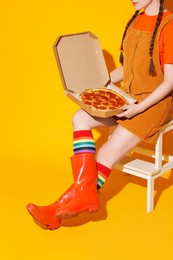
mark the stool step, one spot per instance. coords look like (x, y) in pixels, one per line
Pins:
(141, 166)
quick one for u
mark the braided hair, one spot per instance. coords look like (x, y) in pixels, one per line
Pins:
(152, 70)
(121, 58)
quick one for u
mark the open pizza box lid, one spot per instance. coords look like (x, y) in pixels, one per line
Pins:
(82, 66)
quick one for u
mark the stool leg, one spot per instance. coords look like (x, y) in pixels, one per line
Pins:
(150, 194)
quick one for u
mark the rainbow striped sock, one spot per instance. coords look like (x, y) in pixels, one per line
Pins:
(83, 142)
(103, 174)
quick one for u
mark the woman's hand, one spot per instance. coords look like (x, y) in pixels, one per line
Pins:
(130, 110)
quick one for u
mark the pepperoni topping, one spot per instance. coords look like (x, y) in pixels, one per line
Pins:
(88, 102)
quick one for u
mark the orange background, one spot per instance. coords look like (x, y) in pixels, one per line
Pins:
(36, 142)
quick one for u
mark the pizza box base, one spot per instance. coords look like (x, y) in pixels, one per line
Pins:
(101, 113)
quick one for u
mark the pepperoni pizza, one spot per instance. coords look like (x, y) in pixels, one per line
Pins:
(102, 99)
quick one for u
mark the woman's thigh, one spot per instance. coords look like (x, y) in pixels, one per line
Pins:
(84, 121)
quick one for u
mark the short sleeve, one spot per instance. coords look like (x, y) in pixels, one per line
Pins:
(167, 43)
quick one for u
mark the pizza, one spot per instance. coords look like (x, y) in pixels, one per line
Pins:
(102, 99)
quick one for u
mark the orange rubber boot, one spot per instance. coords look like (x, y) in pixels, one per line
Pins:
(45, 216)
(85, 181)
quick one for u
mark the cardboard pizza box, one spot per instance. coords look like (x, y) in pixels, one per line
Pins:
(82, 66)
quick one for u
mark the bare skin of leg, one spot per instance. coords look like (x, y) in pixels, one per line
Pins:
(120, 142)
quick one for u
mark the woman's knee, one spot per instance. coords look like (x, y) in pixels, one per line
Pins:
(77, 116)
(80, 120)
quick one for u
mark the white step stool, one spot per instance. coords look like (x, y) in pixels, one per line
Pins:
(147, 170)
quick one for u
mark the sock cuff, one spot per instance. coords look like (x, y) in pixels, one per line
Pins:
(103, 169)
(82, 133)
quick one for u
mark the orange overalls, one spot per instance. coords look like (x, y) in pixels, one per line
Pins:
(139, 84)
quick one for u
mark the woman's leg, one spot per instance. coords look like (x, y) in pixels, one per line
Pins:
(83, 141)
(120, 142)
(45, 215)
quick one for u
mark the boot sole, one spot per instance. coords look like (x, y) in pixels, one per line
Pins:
(66, 215)
(45, 226)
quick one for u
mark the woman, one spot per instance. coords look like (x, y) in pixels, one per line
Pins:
(147, 74)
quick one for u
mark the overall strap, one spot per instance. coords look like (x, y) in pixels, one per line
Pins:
(163, 23)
